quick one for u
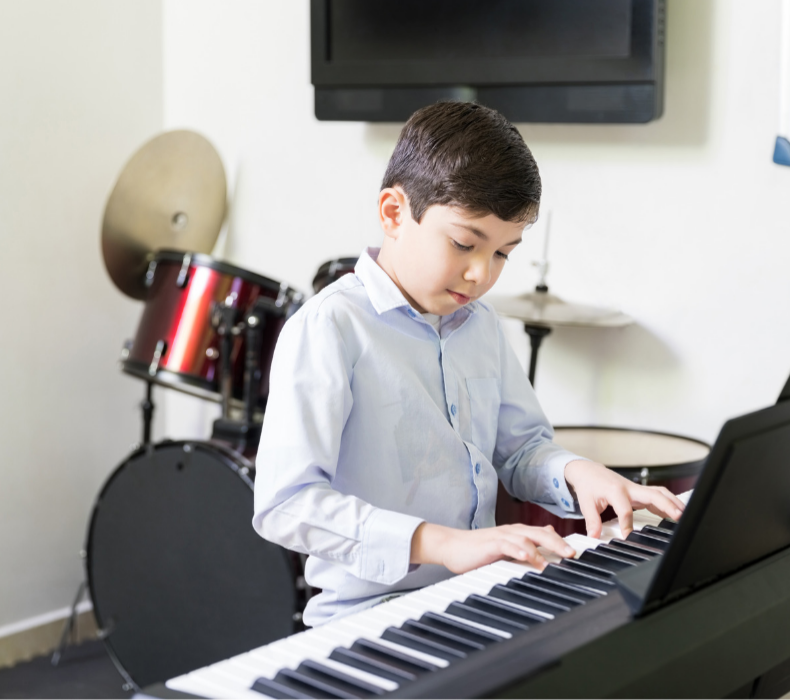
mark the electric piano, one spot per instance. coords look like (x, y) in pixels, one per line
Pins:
(698, 608)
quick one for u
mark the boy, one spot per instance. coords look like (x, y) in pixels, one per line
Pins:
(396, 402)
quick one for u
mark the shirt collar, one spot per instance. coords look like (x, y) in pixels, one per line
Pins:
(383, 293)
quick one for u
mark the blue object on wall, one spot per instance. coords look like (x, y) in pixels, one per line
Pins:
(782, 151)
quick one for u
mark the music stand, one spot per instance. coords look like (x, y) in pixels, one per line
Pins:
(738, 514)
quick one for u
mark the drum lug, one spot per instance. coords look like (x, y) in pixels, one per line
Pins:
(126, 350)
(301, 584)
(183, 274)
(149, 273)
(282, 296)
(153, 368)
(644, 476)
(297, 617)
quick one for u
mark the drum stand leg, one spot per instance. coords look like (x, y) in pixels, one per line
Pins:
(147, 405)
(536, 335)
(68, 627)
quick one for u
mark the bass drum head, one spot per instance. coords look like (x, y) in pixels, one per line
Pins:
(178, 577)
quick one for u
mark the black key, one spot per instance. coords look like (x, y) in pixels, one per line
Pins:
(526, 601)
(498, 622)
(605, 560)
(586, 568)
(338, 679)
(657, 531)
(273, 689)
(543, 593)
(403, 661)
(630, 555)
(595, 583)
(500, 607)
(471, 634)
(453, 639)
(649, 540)
(668, 524)
(420, 643)
(297, 680)
(635, 547)
(371, 664)
(561, 587)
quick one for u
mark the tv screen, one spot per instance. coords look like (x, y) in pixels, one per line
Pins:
(535, 60)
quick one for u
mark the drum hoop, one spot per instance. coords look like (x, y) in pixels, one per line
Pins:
(202, 260)
(650, 432)
(180, 381)
(228, 457)
(323, 271)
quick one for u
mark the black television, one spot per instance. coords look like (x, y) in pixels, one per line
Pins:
(566, 61)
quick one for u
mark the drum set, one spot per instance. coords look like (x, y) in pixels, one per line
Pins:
(177, 576)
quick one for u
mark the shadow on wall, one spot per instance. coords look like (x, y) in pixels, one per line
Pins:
(686, 119)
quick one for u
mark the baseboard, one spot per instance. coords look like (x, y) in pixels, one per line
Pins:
(40, 635)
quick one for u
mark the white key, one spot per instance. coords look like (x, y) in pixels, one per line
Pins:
(208, 684)
(383, 683)
(515, 569)
(477, 625)
(435, 660)
(581, 543)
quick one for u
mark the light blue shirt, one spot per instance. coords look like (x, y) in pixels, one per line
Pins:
(376, 422)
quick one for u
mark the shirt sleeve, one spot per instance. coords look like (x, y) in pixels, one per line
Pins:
(309, 402)
(530, 466)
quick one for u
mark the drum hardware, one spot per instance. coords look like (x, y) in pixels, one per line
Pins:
(159, 350)
(246, 432)
(181, 280)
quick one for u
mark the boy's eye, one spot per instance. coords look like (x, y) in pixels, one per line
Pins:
(502, 255)
(459, 246)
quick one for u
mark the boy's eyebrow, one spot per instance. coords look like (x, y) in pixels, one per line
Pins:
(482, 235)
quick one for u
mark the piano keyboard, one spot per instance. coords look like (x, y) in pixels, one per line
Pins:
(384, 648)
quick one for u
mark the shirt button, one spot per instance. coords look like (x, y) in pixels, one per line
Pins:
(556, 484)
(565, 503)
(412, 313)
(477, 468)
(453, 409)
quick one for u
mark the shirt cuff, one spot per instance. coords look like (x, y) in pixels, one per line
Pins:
(386, 546)
(559, 487)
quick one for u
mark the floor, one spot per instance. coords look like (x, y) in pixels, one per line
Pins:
(85, 671)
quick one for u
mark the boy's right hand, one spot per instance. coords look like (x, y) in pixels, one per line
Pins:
(464, 550)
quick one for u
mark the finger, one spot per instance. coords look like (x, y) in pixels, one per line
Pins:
(592, 518)
(547, 537)
(660, 501)
(621, 504)
(522, 550)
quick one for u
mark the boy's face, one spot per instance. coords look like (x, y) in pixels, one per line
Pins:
(448, 259)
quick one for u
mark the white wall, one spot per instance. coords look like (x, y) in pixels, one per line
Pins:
(80, 90)
(681, 223)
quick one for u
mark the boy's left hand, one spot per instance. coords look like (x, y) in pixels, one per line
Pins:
(597, 487)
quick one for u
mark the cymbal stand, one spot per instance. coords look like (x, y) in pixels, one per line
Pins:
(147, 406)
(536, 335)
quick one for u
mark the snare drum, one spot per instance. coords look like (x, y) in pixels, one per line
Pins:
(332, 271)
(176, 345)
(177, 575)
(646, 457)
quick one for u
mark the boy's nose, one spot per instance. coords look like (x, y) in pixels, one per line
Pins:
(478, 272)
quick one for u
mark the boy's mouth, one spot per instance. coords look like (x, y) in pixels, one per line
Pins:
(459, 298)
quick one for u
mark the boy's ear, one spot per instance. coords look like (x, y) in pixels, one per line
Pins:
(393, 208)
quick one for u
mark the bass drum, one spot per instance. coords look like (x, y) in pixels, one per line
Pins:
(178, 577)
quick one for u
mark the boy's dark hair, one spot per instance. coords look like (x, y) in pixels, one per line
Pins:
(466, 155)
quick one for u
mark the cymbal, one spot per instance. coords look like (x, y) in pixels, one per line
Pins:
(171, 194)
(543, 309)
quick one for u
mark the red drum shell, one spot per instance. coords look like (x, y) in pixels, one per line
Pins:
(643, 456)
(179, 315)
